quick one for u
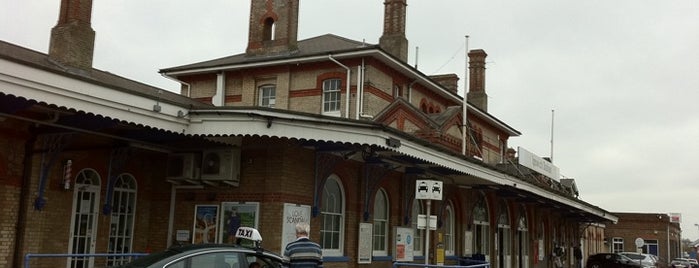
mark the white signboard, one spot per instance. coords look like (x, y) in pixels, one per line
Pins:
(428, 189)
(538, 164)
(293, 214)
(676, 217)
(182, 235)
(405, 237)
(364, 250)
(422, 221)
(468, 243)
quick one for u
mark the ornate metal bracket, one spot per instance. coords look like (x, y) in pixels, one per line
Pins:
(325, 163)
(374, 173)
(409, 178)
(53, 144)
(117, 159)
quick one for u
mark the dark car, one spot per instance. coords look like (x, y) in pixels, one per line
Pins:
(610, 260)
(210, 255)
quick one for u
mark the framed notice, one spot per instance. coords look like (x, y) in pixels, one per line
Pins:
(364, 250)
(403, 243)
(293, 214)
(468, 243)
(237, 214)
(205, 219)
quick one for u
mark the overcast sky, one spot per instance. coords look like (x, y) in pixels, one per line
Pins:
(622, 77)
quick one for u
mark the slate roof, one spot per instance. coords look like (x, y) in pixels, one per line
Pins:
(21, 55)
(319, 45)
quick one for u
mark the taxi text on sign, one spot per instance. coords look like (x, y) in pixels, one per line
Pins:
(428, 189)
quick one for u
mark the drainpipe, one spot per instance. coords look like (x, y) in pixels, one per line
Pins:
(219, 99)
(25, 195)
(348, 84)
(359, 80)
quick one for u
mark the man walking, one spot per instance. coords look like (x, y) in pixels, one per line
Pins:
(303, 253)
(577, 252)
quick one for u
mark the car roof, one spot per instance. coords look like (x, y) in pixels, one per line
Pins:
(195, 248)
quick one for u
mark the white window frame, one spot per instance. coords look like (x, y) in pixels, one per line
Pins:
(482, 230)
(449, 231)
(339, 216)
(617, 244)
(266, 99)
(332, 87)
(122, 219)
(418, 241)
(381, 223)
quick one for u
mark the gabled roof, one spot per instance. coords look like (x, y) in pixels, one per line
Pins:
(401, 104)
(308, 47)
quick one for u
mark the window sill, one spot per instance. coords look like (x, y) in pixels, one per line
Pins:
(335, 259)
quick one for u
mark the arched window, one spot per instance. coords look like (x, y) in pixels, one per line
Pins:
(122, 219)
(332, 212)
(381, 209)
(267, 95)
(503, 236)
(331, 97)
(522, 240)
(481, 228)
(418, 242)
(85, 212)
(449, 230)
(268, 32)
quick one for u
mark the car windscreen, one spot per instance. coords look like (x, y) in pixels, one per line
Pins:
(635, 256)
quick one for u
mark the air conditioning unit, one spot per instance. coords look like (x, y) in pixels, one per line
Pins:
(221, 165)
(181, 167)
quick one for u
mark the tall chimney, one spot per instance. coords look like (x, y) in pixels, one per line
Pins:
(273, 26)
(476, 93)
(72, 39)
(393, 39)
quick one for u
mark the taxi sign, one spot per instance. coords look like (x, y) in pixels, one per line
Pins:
(428, 189)
(248, 233)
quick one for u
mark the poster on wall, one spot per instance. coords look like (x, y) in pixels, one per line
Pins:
(468, 243)
(205, 218)
(405, 237)
(234, 215)
(294, 214)
(365, 244)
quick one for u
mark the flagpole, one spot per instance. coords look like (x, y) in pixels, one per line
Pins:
(464, 123)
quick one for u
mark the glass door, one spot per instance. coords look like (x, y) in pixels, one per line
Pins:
(83, 232)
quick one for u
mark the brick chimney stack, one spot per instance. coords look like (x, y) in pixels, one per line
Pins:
(476, 92)
(72, 39)
(393, 39)
(273, 26)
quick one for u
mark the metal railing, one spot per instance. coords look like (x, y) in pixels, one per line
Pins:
(28, 256)
(471, 264)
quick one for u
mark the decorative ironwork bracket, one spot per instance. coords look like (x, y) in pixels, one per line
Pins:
(53, 145)
(374, 173)
(325, 163)
(117, 159)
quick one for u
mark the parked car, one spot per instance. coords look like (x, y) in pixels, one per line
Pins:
(212, 255)
(693, 262)
(646, 260)
(680, 263)
(611, 260)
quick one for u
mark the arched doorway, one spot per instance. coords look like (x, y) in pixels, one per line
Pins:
(83, 231)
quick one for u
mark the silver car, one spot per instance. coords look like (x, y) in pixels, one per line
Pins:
(646, 260)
